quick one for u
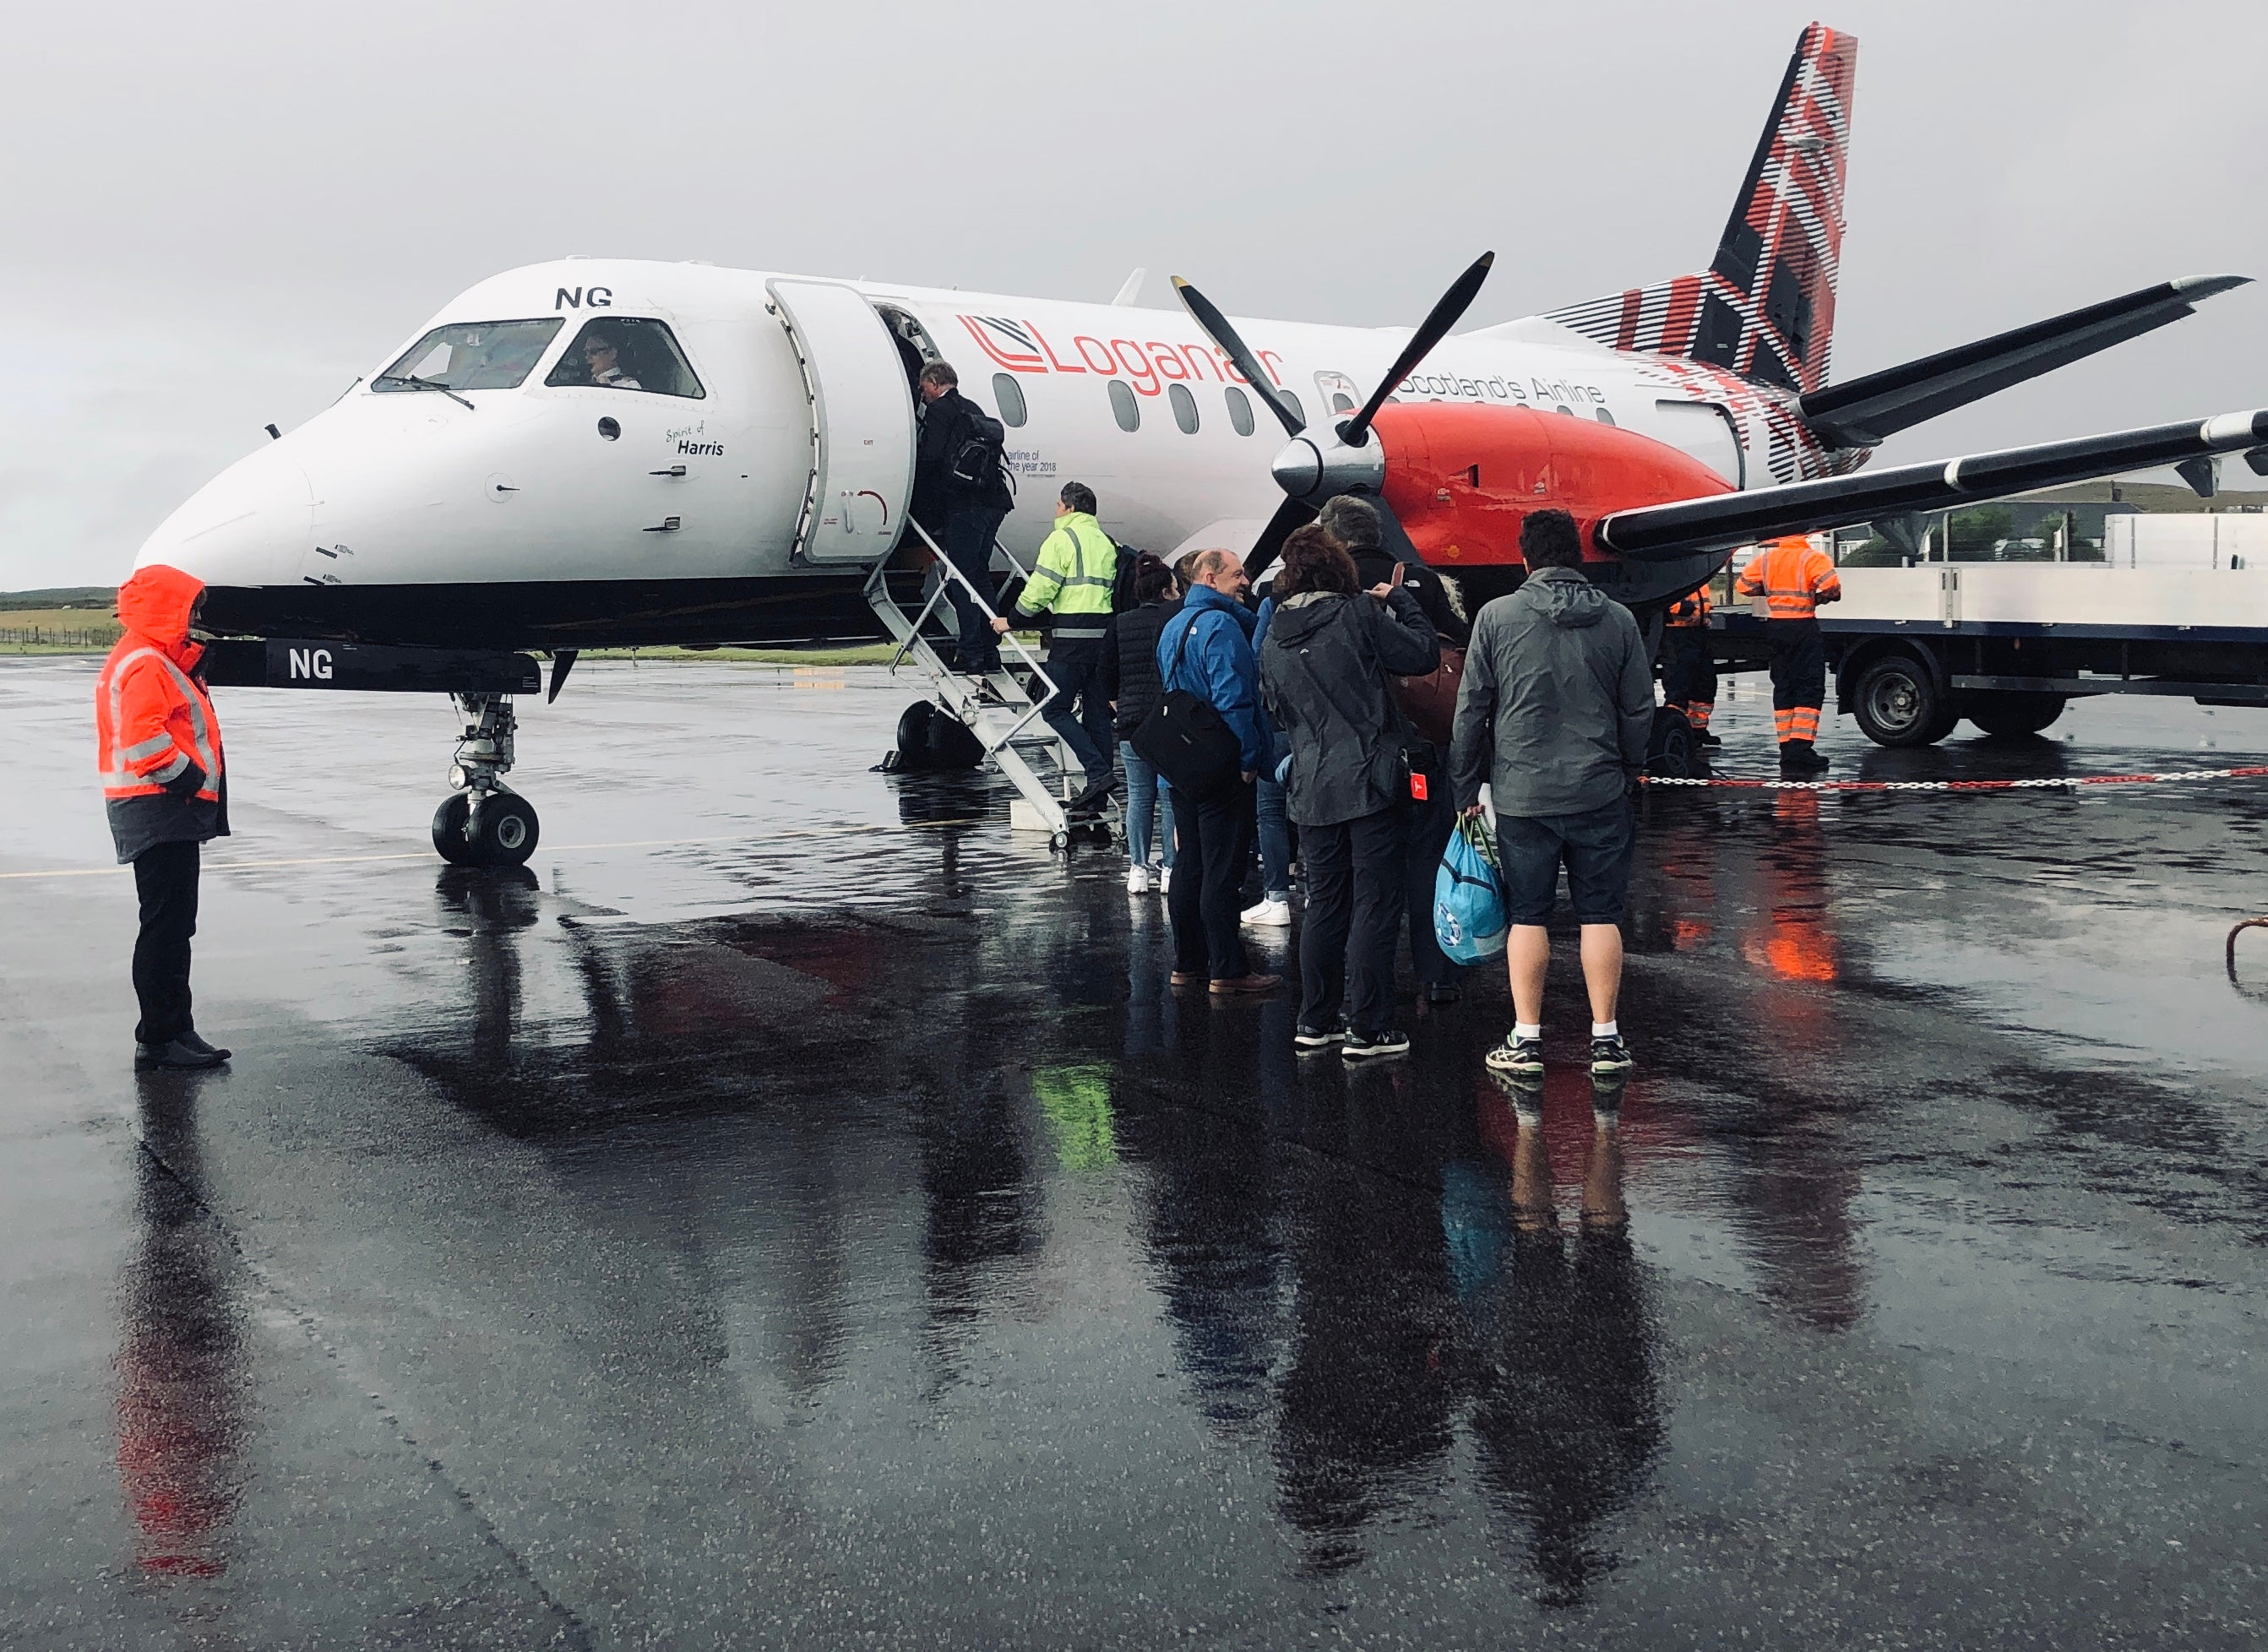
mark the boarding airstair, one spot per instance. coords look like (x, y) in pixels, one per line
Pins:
(1005, 713)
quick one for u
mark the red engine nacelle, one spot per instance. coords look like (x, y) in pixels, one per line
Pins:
(1462, 479)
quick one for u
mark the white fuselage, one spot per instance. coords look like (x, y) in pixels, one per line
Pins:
(403, 487)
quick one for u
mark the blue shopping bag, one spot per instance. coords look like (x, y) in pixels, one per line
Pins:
(1468, 916)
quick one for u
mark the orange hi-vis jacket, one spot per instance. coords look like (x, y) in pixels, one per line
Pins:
(1791, 578)
(1692, 610)
(153, 719)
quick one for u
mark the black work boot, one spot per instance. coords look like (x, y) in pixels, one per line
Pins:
(174, 1054)
(1799, 758)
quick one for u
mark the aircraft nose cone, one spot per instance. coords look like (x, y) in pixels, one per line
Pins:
(249, 525)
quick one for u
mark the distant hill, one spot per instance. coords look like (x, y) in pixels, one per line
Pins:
(99, 598)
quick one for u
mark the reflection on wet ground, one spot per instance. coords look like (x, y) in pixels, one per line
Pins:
(821, 1222)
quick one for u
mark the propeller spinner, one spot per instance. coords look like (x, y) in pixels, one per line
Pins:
(1314, 468)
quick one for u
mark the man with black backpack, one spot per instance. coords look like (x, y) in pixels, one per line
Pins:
(960, 496)
(1074, 582)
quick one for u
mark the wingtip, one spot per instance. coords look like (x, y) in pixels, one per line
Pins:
(2205, 286)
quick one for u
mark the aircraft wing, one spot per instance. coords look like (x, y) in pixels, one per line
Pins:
(1864, 411)
(1664, 532)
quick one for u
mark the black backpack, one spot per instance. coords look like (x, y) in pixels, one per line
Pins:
(977, 463)
(1122, 579)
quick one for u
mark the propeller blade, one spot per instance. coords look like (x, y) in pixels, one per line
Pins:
(1435, 327)
(1217, 329)
(1289, 516)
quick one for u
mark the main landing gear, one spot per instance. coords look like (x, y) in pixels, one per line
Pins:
(482, 824)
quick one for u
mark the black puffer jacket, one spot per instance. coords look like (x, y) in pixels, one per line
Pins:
(1129, 664)
(1322, 677)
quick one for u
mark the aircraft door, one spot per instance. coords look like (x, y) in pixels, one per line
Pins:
(862, 422)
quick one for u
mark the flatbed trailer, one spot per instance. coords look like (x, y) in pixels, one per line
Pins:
(2007, 645)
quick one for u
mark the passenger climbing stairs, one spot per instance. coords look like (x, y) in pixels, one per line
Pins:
(1004, 713)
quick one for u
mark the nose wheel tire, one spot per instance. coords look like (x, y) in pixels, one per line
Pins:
(503, 831)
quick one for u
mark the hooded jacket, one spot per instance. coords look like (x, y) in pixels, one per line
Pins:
(1323, 674)
(1557, 700)
(1218, 666)
(157, 736)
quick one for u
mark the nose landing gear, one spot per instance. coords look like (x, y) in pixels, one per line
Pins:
(482, 824)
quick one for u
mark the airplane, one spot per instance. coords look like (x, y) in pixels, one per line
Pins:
(597, 452)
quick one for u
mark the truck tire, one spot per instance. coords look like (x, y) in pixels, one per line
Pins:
(2014, 713)
(1899, 701)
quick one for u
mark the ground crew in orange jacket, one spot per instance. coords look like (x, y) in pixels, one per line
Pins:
(1689, 663)
(1794, 579)
(165, 787)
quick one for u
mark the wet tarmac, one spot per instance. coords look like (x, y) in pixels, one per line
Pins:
(794, 1212)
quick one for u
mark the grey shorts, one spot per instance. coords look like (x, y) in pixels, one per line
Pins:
(1594, 847)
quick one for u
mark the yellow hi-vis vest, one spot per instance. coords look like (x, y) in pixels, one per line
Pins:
(1072, 579)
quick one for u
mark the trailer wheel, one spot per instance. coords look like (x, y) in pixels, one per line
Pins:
(2015, 714)
(1899, 702)
(1672, 751)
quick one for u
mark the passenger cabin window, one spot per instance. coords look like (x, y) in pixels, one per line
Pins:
(1340, 402)
(1240, 410)
(1123, 404)
(1009, 396)
(1602, 415)
(471, 356)
(1291, 401)
(626, 353)
(1185, 407)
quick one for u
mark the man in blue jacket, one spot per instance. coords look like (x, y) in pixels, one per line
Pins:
(1212, 838)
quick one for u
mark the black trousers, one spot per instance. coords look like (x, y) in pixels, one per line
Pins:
(967, 540)
(1798, 677)
(1355, 898)
(1426, 830)
(166, 878)
(1075, 664)
(1212, 845)
(1688, 672)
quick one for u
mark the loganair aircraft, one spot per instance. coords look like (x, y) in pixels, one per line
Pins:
(600, 453)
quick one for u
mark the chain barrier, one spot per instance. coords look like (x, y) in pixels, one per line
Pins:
(2062, 783)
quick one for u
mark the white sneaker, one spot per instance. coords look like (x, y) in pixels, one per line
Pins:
(1165, 879)
(1138, 881)
(1269, 914)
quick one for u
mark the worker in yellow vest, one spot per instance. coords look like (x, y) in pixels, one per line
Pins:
(1794, 577)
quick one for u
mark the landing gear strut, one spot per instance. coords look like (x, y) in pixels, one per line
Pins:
(483, 823)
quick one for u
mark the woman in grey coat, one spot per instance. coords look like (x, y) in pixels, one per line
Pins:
(1330, 647)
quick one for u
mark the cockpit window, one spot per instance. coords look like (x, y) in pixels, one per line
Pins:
(626, 353)
(471, 356)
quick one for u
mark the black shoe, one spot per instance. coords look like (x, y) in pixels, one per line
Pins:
(1610, 1057)
(1800, 757)
(197, 1043)
(1363, 1046)
(1444, 993)
(175, 1053)
(1707, 738)
(1097, 794)
(1306, 1037)
(1518, 1058)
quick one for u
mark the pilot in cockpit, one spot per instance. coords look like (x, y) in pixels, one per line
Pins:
(601, 357)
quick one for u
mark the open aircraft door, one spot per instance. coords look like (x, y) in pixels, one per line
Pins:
(862, 422)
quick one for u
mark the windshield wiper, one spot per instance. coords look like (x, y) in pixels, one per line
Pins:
(415, 383)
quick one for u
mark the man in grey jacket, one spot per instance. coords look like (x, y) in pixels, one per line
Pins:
(1555, 713)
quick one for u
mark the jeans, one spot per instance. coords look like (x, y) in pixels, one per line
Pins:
(1274, 839)
(1427, 827)
(1354, 911)
(1075, 664)
(969, 530)
(1206, 903)
(166, 878)
(1148, 801)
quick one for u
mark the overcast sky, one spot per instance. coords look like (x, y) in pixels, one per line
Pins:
(220, 214)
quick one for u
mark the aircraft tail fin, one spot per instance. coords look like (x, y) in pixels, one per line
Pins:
(1765, 306)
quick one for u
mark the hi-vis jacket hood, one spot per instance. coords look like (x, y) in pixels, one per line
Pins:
(154, 606)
